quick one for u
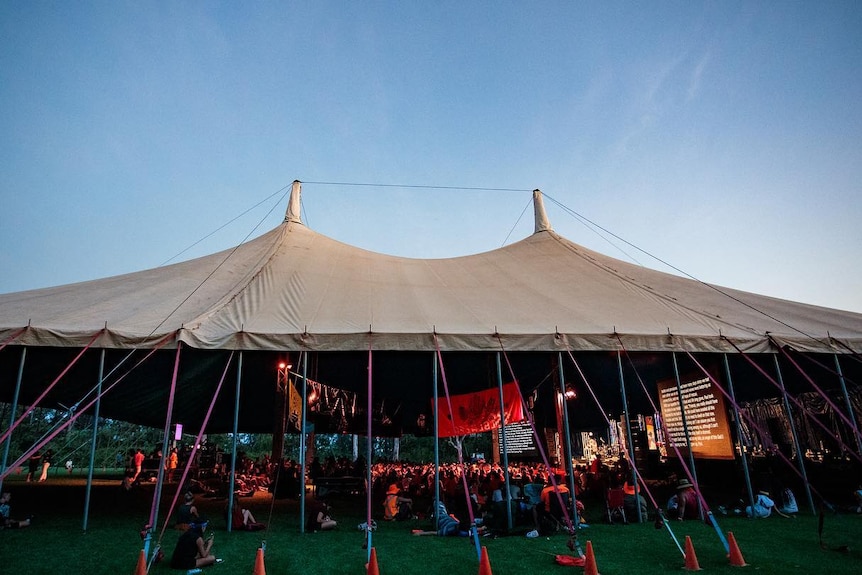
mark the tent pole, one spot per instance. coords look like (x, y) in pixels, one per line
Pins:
(369, 450)
(687, 434)
(93, 441)
(800, 459)
(570, 469)
(8, 443)
(848, 404)
(508, 497)
(436, 446)
(630, 439)
(303, 357)
(230, 495)
(742, 452)
(160, 478)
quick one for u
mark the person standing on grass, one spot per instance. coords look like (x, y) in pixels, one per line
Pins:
(173, 460)
(46, 463)
(33, 463)
(138, 463)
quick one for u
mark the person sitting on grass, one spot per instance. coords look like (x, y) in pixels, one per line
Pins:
(320, 518)
(449, 525)
(192, 551)
(683, 505)
(243, 520)
(395, 506)
(763, 507)
(187, 512)
(5, 518)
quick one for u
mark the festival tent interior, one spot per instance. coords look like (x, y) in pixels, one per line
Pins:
(375, 336)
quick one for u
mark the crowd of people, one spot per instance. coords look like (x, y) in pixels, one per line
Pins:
(472, 495)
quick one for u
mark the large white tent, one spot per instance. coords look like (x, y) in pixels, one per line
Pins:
(293, 289)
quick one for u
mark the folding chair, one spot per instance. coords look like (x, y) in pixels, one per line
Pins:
(615, 505)
(554, 520)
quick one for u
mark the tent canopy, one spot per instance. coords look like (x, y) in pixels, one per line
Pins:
(292, 289)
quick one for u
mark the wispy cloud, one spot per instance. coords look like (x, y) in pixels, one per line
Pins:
(697, 76)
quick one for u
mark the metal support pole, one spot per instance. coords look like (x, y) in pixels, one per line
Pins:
(8, 442)
(629, 437)
(230, 495)
(687, 434)
(507, 498)
(800, 458)
(567, 444)
(850, 414)
(160, 478)
(304, 359)
(370, 446)
(742, 453)
(93, 441)
(436, 447)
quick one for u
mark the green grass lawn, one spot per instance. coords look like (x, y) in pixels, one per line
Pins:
(56, 543)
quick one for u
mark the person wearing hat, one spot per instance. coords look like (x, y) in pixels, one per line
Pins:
(683, 505)
(192, 551)
(396, 507)
(763, 506)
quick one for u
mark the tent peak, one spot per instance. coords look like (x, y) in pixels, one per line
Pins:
(542, 223)
(293, 213)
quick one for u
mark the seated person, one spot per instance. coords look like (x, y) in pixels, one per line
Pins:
(683, 505)
(532, 502)
(448, 525)
(187, 512)
(5, 514)
(191, 551)
(243, 520)
(395, 506)
(320, 517)
(553, 500)
(631, 501)
(763, 506)
(788, 502)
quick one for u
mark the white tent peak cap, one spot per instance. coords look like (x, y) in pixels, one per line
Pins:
(293, 213)
(542, 223)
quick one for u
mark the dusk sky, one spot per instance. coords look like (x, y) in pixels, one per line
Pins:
(723, 137)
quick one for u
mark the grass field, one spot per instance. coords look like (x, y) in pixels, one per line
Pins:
(56, 543)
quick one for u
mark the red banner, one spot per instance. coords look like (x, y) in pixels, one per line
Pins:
(478, 412)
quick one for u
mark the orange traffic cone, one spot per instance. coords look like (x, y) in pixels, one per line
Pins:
(590, 561)
(372, 563)
(735, 554)
(485, 563)
(691, 563)
(141, 567)
(259, 569)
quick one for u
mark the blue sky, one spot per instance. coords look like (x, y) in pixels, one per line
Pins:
(723, 137)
